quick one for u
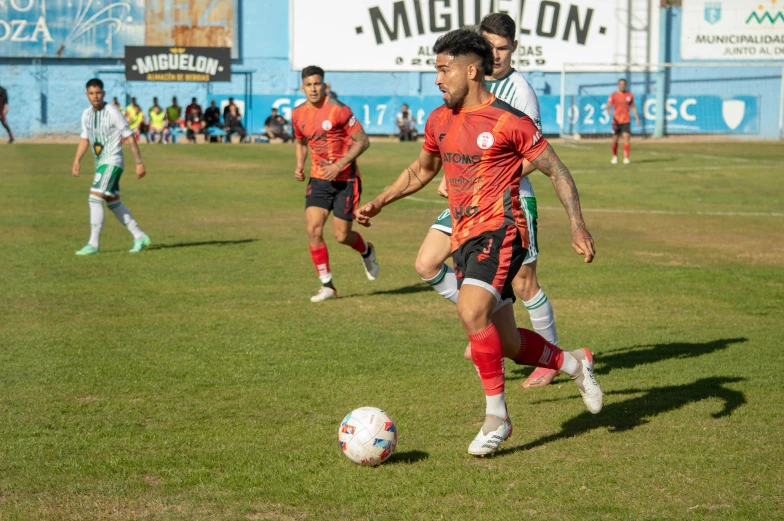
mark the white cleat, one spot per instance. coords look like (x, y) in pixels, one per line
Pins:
(614, 160)
(371, 264)
(586, 383)
(324, 293)
(485, 444)
(626, 161)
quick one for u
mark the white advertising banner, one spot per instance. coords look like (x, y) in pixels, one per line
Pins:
(732, 30)
(398, 35)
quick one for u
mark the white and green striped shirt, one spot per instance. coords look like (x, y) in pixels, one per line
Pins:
(515, 90)
(105, 130)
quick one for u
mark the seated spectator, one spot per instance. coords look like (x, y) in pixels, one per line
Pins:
(118, 106)
(330, 93)
(193, 106)
(158, 125)
(174, 115)
(135, 116)
(193, 124)
(406, 124)
(275, 126)
(212, 119)
(233, 124)
(227, 108)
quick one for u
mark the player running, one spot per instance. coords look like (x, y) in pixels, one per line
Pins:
(103, 129)
(335, 139)
(481, 141)
(620, 102)
(510, 86)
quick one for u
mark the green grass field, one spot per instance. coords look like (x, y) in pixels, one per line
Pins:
(195, 381)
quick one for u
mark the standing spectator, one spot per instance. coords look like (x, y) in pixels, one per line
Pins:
(227, 108)
(275, 126)
(406, 124)
(158, 124)
(193, 106)
(4, 113)
(331, 94)
(118, 106)
(212, 119)
(233, 124)
(193, 123)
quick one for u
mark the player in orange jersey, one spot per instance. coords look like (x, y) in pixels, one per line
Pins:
(481, 142)
(335, 139)
(620, 102)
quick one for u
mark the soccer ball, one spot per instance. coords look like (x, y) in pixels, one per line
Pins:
(367, 436)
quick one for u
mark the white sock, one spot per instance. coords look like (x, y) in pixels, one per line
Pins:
(542, 316)
(496, 405)
(96, 220)
(124, 216)
(445, 283)
(326, 278)
(570, 364)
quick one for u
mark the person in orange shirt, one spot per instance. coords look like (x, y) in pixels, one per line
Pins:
(621, 101)
(481, 141)
(335, 138)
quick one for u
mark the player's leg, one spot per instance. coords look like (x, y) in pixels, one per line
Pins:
(121, 212)
(626, 144)
(614, 143)
(4, 122)
(435, 249)
(346, 202)
(316, 217)
(99, 191)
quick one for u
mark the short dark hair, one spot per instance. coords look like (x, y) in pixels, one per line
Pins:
(464, 42)
(622, 80)
(312, 70)
(95, 82)
(500, 24)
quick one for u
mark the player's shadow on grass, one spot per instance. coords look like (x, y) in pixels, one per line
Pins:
(200, 243)
(405, 290)
(634, 412)
(629, 357)
(408, 457)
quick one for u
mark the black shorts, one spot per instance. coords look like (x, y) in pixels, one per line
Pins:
(339, 197)
(620, 128)
(491, 260)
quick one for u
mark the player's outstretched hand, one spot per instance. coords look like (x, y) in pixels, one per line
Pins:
(442, 188)
(366, 211)
(299, 173)
(582, 242)
(140, 171)
(75, 169)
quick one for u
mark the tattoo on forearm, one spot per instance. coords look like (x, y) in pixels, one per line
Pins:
(564, 186)
(137, 155)
(411, 174)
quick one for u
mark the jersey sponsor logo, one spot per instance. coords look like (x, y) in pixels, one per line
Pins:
(326, 124)
(485, 140)
(461, 159)
(351, 122)
(458, 212)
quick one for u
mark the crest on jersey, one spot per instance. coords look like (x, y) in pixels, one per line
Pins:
(712, 12)
(351, 121)
(733, 110)
(97, 148)
(326, 124)
(485, 140)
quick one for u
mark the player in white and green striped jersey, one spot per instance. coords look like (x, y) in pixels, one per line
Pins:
(510, 86)
(103, 130)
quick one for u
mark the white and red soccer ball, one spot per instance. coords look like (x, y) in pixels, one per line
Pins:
(367, 436)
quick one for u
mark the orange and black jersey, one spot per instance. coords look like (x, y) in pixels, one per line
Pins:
(482, 149)
(328, 130)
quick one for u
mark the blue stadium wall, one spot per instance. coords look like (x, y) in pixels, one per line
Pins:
(47, 96)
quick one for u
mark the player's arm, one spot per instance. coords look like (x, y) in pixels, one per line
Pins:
(550, 165)
(137, 156)
(413, 179)
(81, 149)
(301, 152)
(636, 115)
(361, 143)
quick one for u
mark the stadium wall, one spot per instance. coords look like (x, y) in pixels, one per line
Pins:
(46, 95)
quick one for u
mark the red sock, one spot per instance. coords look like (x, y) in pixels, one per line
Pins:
(487, 352)
(536, 351)
(626, 148)
(615, 149)
(359, 244)
(320, 257)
